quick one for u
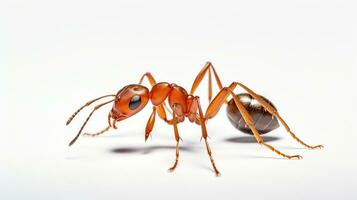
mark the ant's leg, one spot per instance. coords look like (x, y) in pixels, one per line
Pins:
(207, 68)
(217, 103)
(150, 124)
(177, 138)
(149, 76)
(204, 135)
(274, 112)
(160, 108)
(162, 113)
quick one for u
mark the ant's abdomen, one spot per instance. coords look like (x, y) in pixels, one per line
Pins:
(264, 122)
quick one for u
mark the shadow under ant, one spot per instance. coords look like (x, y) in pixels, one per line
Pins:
(147, 150)
(251, 139)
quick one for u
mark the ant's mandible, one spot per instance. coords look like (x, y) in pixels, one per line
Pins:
(133, 98)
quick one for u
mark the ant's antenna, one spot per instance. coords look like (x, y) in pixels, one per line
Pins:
(95, 108)
(85, 105)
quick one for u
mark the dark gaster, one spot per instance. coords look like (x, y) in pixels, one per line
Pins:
(262, 119)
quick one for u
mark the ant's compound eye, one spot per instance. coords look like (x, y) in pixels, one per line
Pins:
(135, 102)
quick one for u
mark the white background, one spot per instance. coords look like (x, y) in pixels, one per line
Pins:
(55, 56)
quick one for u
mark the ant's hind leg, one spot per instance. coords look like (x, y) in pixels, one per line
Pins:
(247, 118)
(177, 137)
(272, 111)
(217, 103)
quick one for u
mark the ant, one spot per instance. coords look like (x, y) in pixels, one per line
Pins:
(133, 98)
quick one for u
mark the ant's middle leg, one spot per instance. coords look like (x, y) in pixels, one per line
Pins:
(205, 135)
(206, 69)
(177, 138)
(217, 103)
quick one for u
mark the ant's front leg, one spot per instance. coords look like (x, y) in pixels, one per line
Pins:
(150, 77)
(174, 121)
(152, 82)
(150, 124)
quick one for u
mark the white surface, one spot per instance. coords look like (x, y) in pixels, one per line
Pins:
(56, 56)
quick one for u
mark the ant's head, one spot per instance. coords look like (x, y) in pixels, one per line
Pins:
(128, 101)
